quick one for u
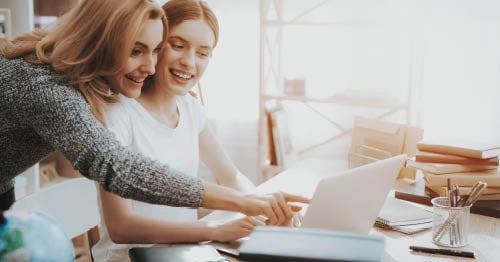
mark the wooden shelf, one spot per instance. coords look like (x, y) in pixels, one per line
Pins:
(344, 99)
(274, 25)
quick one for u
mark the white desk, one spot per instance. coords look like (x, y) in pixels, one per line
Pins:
(484, 232)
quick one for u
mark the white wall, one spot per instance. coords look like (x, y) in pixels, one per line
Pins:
(22, 15)
(461, 69)
(449, 50)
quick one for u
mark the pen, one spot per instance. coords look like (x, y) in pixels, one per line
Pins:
(449, 252)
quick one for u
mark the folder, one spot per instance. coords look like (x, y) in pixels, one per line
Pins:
(357, 159)
(307, 244)
(193, 253)
(372, 152)
(385, 136)
(374, 139)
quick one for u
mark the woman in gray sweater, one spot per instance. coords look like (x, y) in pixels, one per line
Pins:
(54, 87)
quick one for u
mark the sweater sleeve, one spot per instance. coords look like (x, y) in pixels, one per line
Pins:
(60, 116)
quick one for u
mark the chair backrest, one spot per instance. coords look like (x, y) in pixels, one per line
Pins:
(72, 203)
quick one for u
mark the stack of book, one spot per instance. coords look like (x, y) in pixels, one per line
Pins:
(463, 162)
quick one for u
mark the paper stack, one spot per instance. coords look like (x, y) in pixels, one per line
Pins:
(464, 162)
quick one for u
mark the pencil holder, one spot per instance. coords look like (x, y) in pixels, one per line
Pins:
(450, 225)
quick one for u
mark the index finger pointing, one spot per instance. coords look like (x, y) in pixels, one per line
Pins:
(296, 198)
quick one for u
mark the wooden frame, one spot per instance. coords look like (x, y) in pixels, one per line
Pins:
(5, 23)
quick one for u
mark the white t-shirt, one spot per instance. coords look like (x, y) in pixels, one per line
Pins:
(134, 126)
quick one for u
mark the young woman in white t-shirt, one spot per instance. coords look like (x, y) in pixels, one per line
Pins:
(168, 125)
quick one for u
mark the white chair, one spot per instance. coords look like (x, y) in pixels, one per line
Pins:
(72, 203)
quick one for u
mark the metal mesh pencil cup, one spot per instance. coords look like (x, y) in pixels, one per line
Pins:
(450, 225)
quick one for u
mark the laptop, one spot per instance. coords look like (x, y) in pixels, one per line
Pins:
(347, 201)
(351, 200)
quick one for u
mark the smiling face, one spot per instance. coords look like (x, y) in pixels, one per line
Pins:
(141, 62)
(186, 56)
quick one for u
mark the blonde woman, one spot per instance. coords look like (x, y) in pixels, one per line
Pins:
(168, 125)
(55, 85)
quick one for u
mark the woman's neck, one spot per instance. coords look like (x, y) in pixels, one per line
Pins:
(161, 105)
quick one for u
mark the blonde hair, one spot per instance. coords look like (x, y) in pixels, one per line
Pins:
(90, 42)
(178, 11)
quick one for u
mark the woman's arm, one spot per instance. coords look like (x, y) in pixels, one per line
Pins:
(274, 206)
(57, 117)
(125, 226)
(217, 160)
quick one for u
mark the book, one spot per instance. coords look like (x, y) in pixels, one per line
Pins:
(491, 177)
(418, 193)
(489, 193)
(396, 212)
(489, 208)
(270, 138)
(460, 148)
(193, 253)
(280, 128)
(422, 156)
(273, 243)
(444, 168)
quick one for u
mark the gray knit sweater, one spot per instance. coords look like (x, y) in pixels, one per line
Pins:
(39, 113)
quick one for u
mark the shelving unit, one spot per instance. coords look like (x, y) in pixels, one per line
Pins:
(281, 51)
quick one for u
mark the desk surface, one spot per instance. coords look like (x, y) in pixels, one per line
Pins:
(484, 232)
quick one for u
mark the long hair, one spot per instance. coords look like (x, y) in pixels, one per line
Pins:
(178, 11)
(90, 42)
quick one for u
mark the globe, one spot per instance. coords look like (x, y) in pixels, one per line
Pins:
(32, 236)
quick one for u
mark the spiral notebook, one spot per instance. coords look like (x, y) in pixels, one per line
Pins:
(397, 212)
(401, 216)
